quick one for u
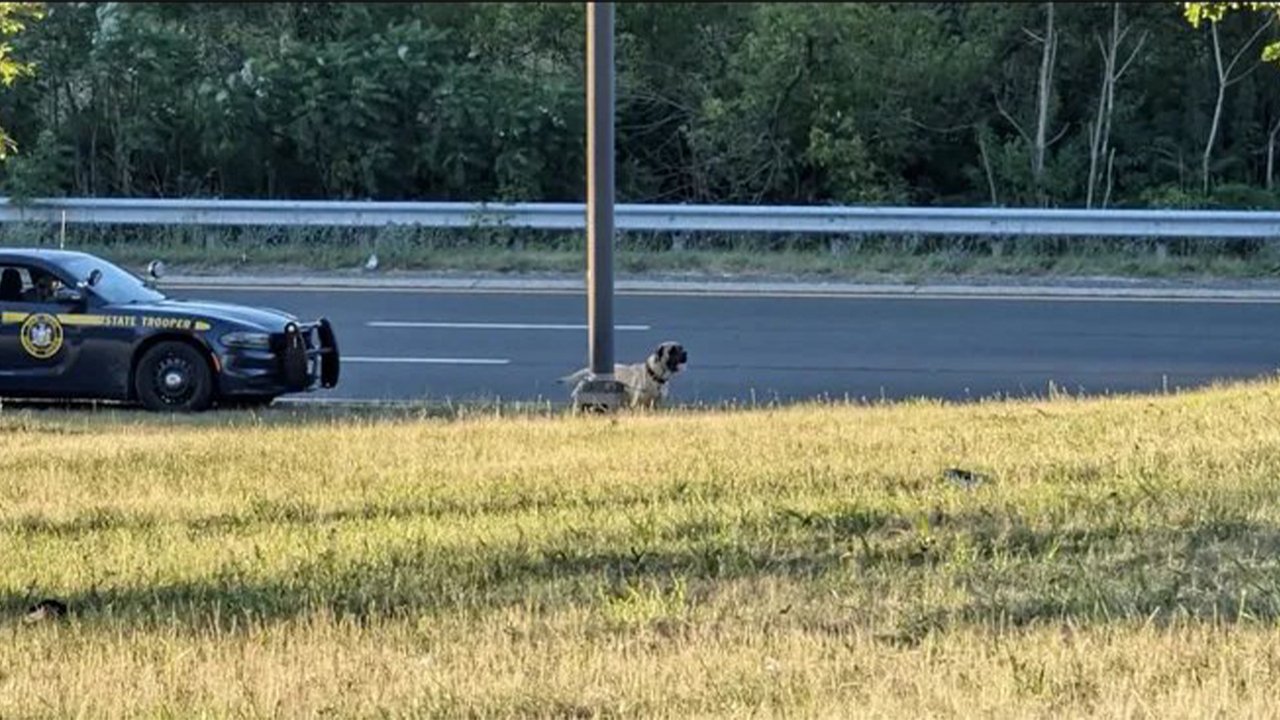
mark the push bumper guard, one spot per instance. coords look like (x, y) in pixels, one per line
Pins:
(309, 353)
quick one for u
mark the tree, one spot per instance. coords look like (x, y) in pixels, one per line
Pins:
(787, 103)
(13, 17)
(1225, 79)
(1039, 143)
(1198, 12)
(1214, 12)
(1100, 132)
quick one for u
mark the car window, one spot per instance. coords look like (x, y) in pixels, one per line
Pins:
(14, 282)
(116, 286)
(27, 284)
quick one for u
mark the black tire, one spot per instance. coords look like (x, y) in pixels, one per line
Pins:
(174, 377)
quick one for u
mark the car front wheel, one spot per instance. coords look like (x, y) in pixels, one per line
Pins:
(174, 377)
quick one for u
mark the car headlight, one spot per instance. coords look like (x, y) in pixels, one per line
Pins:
(258, 340)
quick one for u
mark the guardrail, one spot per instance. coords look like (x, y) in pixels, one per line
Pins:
(1165, 224)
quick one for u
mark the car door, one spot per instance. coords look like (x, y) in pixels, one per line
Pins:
(39, 350)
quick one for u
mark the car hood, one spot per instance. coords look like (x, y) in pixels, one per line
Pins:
(259, 318)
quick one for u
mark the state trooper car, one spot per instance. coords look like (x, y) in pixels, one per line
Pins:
(74, 326)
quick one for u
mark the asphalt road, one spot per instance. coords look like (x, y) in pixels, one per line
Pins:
(437, 345)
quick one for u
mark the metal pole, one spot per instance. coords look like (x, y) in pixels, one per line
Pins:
(600, 179)
(600, 391)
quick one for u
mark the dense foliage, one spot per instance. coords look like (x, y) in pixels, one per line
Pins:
(13, 17)
(929, 103)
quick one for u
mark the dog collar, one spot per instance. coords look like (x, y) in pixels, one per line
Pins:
(654, 376)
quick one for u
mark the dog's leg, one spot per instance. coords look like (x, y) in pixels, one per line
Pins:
(574, 378)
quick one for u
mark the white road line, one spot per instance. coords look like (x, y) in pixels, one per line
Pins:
(490, 326)
(427, 360)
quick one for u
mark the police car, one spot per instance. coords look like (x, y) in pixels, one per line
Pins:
(74, 326)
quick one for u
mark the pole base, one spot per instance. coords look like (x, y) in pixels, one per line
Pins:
(595, 395)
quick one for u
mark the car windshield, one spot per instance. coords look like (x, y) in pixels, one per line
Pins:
(116, 286)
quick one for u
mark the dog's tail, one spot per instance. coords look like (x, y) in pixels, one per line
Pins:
(574, 378)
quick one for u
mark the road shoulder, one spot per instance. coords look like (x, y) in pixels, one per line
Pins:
(764, 286)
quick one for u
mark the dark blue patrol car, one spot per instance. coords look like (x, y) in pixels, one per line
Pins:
(74, 326)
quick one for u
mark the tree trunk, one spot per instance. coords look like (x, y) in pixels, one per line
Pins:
(1271, 154)
(95, 116)
(1111, 160)
(1106, 99)
(986, 166)
(1100, 141)
(1271, 158)
(1207, 155)
(1225, 80)
(1042, 100)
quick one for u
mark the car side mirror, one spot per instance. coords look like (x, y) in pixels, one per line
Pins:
(94, 277)
(155, 269)
(68, 296)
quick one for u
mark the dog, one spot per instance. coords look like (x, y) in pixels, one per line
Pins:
(48, 609)
(645, 383)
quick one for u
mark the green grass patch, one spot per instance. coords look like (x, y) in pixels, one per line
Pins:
(213, 249)
(1118, 556)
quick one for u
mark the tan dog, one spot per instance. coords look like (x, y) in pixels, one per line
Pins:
(645, 383)
(48, 609)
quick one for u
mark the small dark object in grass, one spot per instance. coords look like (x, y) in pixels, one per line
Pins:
(965, 478)
(47, 609)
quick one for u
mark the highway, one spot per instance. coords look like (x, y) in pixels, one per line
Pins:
(462, 345)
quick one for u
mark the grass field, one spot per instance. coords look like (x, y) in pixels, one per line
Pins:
(1119, 560)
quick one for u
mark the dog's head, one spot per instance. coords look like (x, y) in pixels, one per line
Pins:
(671, 355)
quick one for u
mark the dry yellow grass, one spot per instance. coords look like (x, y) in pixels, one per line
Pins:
(811, 561)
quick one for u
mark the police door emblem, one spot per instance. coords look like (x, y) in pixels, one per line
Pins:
(42, 336)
